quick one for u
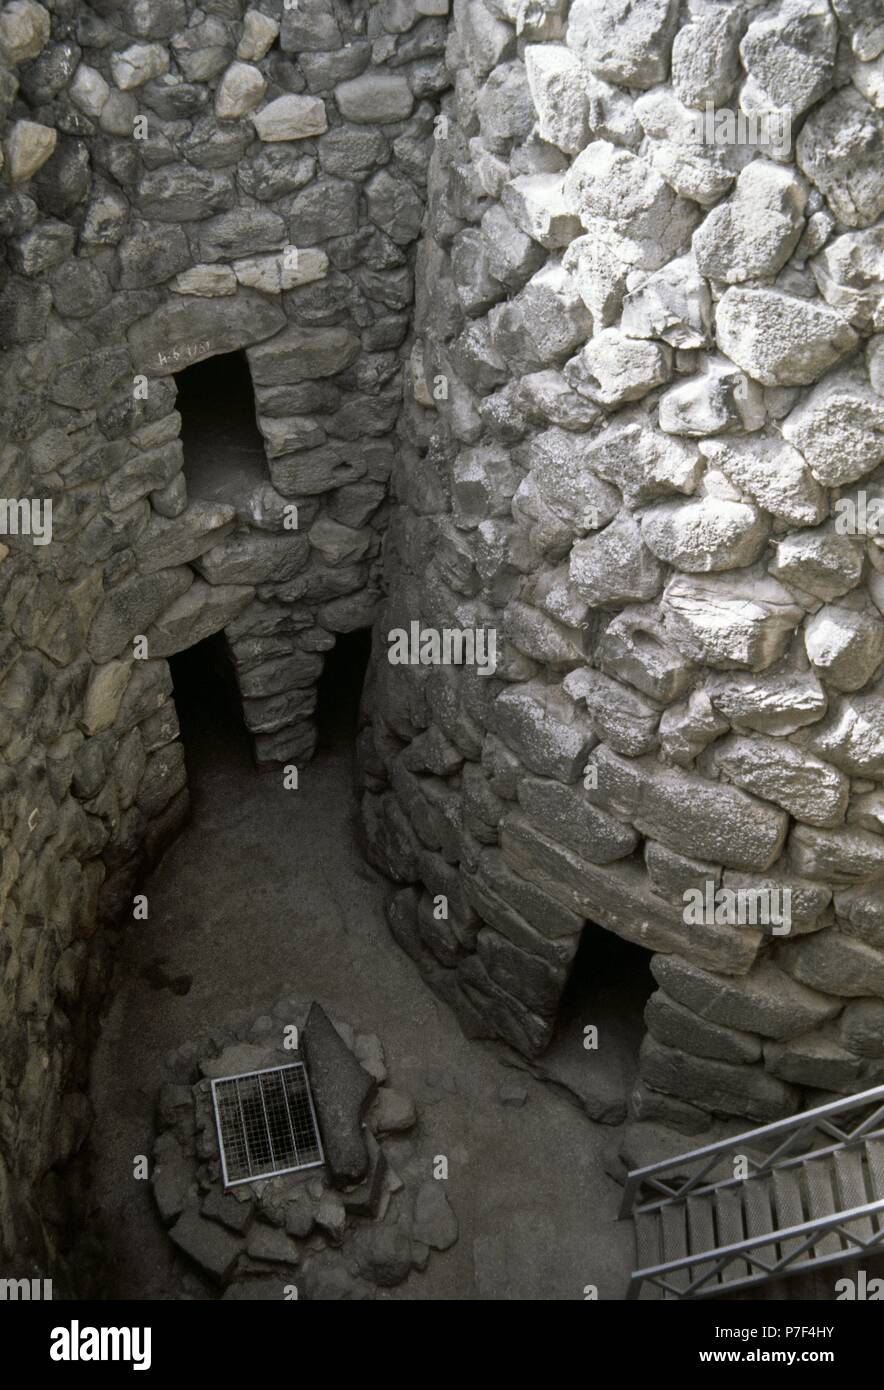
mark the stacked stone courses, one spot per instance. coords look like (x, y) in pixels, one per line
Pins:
(664, 364)
(179, 181)
(529, 354)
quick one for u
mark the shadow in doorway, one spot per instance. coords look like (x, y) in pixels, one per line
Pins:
(340, 691)
(209, 713)
(609, 985)
(224, 456)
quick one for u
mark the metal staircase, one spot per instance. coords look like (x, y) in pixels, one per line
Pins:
(809, 1192)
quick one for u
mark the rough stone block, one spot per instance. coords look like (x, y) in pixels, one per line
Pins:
(673, 304)
(776, 703)
(635, 647)
(756, 230)
(614, 566)
(375, 99)
(537, 205)
(28, 146)
(622, 201)
(291, 117)
(671, 1023)
(774, 474)
(843, 856)
(852, 736)
(499, 887)
(775, 770)
(839, 964)
(727, 620)
(499, 1013)
(617, 896)
(721, 1087)
(128, 610)
(838, 428)
(625, 43)
(203, 610)
(861, 1028)
(342, 1092)
(213, 1249)
(703, 534)
(558, 89)
(246, 558)
(624, 720)
(535, 982)
(766, 1001)
(687, 812)
(179, 334)
(816, 1060)
(565, 814)
(845, 645)
(302, 354)
(165, 543)
(613, 369)
(543, 727)
(779, 339)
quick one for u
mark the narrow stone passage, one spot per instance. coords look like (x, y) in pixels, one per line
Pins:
(266, 893)
(224, 456)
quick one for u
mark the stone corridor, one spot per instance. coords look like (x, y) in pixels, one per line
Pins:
(551, 322)
(266, 885)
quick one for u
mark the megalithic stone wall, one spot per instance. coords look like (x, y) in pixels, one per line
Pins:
(644, 447)
(642, 444)
(179, 180)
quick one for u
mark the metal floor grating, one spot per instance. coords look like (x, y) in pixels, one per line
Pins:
(266, 1123)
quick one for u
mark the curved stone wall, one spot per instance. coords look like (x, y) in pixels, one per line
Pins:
(644, 449)
(179, 181)
(637, 477)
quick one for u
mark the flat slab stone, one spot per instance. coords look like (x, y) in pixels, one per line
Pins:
(201, 611)
(224, 1209)
(166, 543)
(272, 1246)
(192, 329)
(618, 896)
(342, 1091)
(207, 1244)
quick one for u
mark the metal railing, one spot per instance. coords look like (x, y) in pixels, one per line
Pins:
(792, 1131)
(715, 1262)
(671, 1182)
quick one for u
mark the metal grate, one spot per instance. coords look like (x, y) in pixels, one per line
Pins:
(266, 1123)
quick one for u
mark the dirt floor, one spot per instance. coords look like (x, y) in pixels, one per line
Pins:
(266, 894)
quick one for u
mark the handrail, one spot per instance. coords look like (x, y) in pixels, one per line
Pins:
(720, 1256)
(772, 1163)
(805, 1120)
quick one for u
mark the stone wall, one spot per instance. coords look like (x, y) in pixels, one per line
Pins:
(178, 182)
(642, 396)
(646, 417)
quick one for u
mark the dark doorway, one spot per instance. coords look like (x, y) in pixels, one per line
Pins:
(609, 985)
(224, 458)
(340, 690)
(209, 712)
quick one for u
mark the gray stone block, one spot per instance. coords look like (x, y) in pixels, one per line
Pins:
(691, 815)
(766, 1001)
(718, 1086)
(617, 896)
(342, 1092)
(213, 1249)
